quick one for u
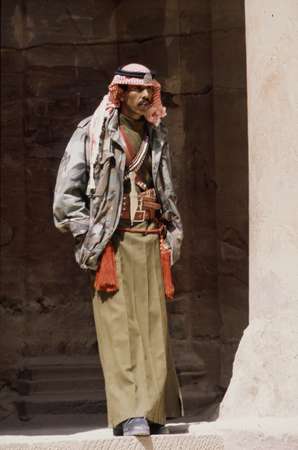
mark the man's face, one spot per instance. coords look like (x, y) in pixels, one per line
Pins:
(136, 100)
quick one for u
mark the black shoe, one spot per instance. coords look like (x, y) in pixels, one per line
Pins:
(157, 428)
(136, 426)
(118, 430)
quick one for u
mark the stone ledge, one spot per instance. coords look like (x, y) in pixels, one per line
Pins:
(97, 440)
(251, 433)
(245, 434)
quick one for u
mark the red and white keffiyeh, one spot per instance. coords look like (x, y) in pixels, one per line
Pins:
(156, 111)
(154, 114)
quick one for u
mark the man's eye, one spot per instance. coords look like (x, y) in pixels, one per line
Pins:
(135, 89)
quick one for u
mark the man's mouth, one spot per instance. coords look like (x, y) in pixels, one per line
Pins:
(144, 103)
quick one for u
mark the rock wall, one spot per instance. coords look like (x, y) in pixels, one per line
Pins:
(266, 364)
(57, 61)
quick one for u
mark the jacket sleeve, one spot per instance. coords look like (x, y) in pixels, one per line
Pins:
(71, 205)
(170, 213)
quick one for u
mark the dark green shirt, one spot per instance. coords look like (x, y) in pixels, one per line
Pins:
(134, 131)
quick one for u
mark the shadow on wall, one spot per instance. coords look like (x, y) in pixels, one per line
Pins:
(231, 173)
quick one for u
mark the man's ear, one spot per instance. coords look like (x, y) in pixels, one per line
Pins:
(122, 94)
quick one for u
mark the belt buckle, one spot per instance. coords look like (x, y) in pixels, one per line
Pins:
(143, 216)
(141, 211)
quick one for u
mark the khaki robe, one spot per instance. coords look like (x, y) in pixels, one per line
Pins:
(132, 332)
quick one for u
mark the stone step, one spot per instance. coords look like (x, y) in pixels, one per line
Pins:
(63, 385)
(60, 368)
(51, 423)
(61, 360)
(92, 402)
(79, 384)
(103, 440)
(246, 433)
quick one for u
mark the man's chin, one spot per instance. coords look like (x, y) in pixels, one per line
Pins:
(143, 109)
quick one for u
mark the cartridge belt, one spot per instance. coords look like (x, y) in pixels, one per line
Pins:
(147, 206)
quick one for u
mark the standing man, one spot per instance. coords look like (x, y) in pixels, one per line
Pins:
(114, 193)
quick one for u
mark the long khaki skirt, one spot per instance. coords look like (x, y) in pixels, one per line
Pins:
(132, 334)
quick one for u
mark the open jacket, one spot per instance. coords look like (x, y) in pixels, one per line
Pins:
(93, 220)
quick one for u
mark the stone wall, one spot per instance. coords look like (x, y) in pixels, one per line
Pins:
(57, 60)
(266, 364)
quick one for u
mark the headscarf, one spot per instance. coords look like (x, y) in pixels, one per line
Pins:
(130, 74)
(137, 74)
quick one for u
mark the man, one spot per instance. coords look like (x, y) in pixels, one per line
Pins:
(114, 193)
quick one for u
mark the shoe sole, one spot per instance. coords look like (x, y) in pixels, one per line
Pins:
(136, 432)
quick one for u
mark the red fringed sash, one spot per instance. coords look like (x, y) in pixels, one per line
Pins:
(165, 258)
(106, 274)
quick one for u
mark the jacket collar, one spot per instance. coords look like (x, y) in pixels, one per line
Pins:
(113, 128)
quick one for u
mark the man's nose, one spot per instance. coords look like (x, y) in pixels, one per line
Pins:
(145, 93)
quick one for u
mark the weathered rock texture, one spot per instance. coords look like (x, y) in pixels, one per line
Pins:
(57, 60)
(265, 381)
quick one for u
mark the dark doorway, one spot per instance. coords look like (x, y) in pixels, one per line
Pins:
(57, 62)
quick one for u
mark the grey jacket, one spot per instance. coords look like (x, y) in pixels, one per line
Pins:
(92, 221)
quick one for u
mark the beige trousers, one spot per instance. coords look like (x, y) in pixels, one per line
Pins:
(132, 333)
